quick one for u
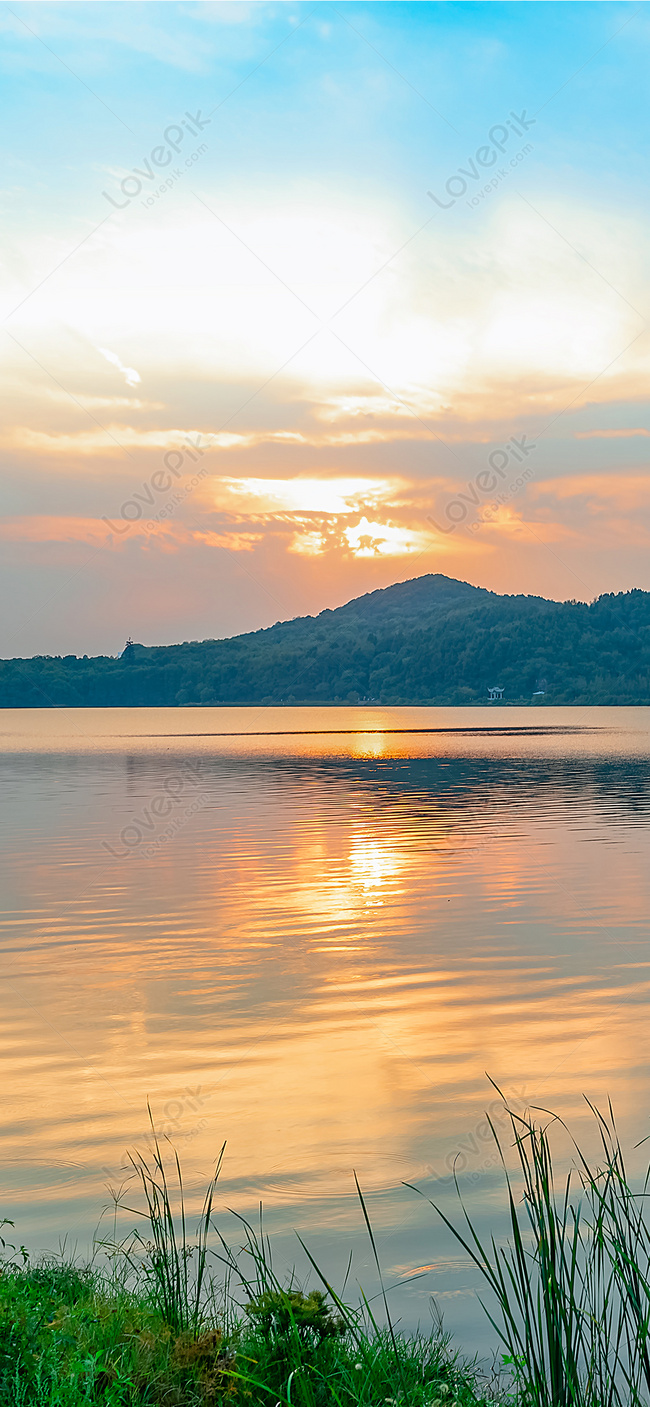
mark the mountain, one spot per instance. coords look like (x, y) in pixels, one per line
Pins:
(429, 640)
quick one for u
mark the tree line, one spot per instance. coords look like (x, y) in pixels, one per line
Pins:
(429, 641)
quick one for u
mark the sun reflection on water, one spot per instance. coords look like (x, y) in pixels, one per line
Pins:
(374, 862)
(320, 967)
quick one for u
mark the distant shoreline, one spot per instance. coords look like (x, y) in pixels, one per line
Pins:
(427, 643)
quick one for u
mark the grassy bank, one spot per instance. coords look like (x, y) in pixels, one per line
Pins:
(170, 1316)
(69, 1335)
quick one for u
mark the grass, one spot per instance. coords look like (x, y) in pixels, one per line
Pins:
(569, 1292)
(174, 1265)
(70, 1336)
(165, 1318)
(173, 1316)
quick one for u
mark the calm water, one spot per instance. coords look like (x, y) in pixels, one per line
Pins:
(312, 932)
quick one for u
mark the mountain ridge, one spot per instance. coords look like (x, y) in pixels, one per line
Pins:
(431, 639)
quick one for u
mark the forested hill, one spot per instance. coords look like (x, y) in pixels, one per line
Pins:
(430, 640)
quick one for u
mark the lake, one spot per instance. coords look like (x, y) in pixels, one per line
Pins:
(314, 932)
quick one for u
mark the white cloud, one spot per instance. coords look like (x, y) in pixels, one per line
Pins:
(455, 316)
(131, 376)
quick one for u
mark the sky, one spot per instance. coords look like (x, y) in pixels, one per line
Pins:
(300, 300)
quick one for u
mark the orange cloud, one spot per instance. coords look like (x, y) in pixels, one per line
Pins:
(507, 520)
(41, 528)
(87, 442)
(96, 442)
(629, 490)
(609, 434)
(97, 532)
(231, 541)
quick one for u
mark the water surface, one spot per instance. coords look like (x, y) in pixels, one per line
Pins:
(312, 932)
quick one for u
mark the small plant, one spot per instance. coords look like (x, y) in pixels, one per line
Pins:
(210, 1361)
(174, 1265)
(9, 1246)
(282, 1311)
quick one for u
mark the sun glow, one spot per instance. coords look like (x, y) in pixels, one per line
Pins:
(326, 496)
(369, 745)
(383, 540)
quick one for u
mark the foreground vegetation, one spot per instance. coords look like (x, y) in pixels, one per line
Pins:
(150, 1323)
(432, 640)
(68, 1337)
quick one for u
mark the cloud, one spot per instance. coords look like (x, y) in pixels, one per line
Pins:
(609, 434)
(631, 489)
(448, 318)
(598, 509)
(510, 521)
(97, 532)
(349, 407)
(92, 402)
(385, 540)
(109, 438)
(226, 12)
(85, 442)
(131, 376)
(327, 497)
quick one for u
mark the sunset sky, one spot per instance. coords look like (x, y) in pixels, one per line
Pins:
(282, 281)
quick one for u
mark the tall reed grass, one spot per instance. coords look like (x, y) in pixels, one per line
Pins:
(172, 1261)
(569, 1292)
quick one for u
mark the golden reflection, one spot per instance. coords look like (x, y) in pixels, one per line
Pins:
(368, 745)
(315, 963)
(373, 862)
